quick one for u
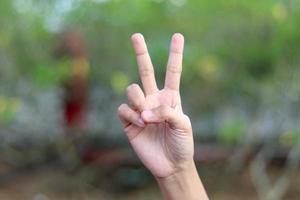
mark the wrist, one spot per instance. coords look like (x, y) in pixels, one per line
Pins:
(183, 184)
(183, 171)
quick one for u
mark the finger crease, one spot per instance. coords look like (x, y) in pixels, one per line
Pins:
(146, 72)
(174, 69)
(141, 54)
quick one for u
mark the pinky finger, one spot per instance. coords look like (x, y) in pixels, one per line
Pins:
(129, 116)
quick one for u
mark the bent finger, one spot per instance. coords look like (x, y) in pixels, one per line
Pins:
(127, 116)
(176, 120)
(136, 97)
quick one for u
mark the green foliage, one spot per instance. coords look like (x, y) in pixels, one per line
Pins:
(290, 138)
(8, 109)
(232, 131)
(119, 82)
(236, 51)
(47, 76)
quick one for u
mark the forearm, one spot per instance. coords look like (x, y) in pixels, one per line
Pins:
(183, 185)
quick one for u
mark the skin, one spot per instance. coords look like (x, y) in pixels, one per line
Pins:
(158, 130)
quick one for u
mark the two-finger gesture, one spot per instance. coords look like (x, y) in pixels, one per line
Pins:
(158, 130)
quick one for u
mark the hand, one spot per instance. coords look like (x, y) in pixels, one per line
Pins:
(158, 130)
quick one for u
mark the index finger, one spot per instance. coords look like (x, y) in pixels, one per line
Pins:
(174, 66)
(146, 70)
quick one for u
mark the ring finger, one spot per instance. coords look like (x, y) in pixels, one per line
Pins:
(136, 97)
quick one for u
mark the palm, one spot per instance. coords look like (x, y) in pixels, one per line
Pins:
(158, 144)
(154, 142)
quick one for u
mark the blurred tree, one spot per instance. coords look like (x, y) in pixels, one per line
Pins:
(237, 52)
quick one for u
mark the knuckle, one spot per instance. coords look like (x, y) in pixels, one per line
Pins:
(121, 108)
(174, 69)
(146, 71)
(135, 86)
(128, 89)
(132, 87)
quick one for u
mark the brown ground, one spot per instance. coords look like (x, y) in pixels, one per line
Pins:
(56, 184)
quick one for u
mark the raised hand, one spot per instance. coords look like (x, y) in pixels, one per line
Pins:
(158, 130)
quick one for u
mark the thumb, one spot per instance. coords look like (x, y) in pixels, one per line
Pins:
(176, 120)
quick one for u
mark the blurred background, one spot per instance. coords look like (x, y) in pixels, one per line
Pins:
(64, 66)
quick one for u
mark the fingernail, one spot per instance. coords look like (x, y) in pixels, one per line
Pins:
(148, 114)
(140, 122)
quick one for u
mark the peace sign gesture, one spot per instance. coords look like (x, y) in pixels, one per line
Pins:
(153, 120)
